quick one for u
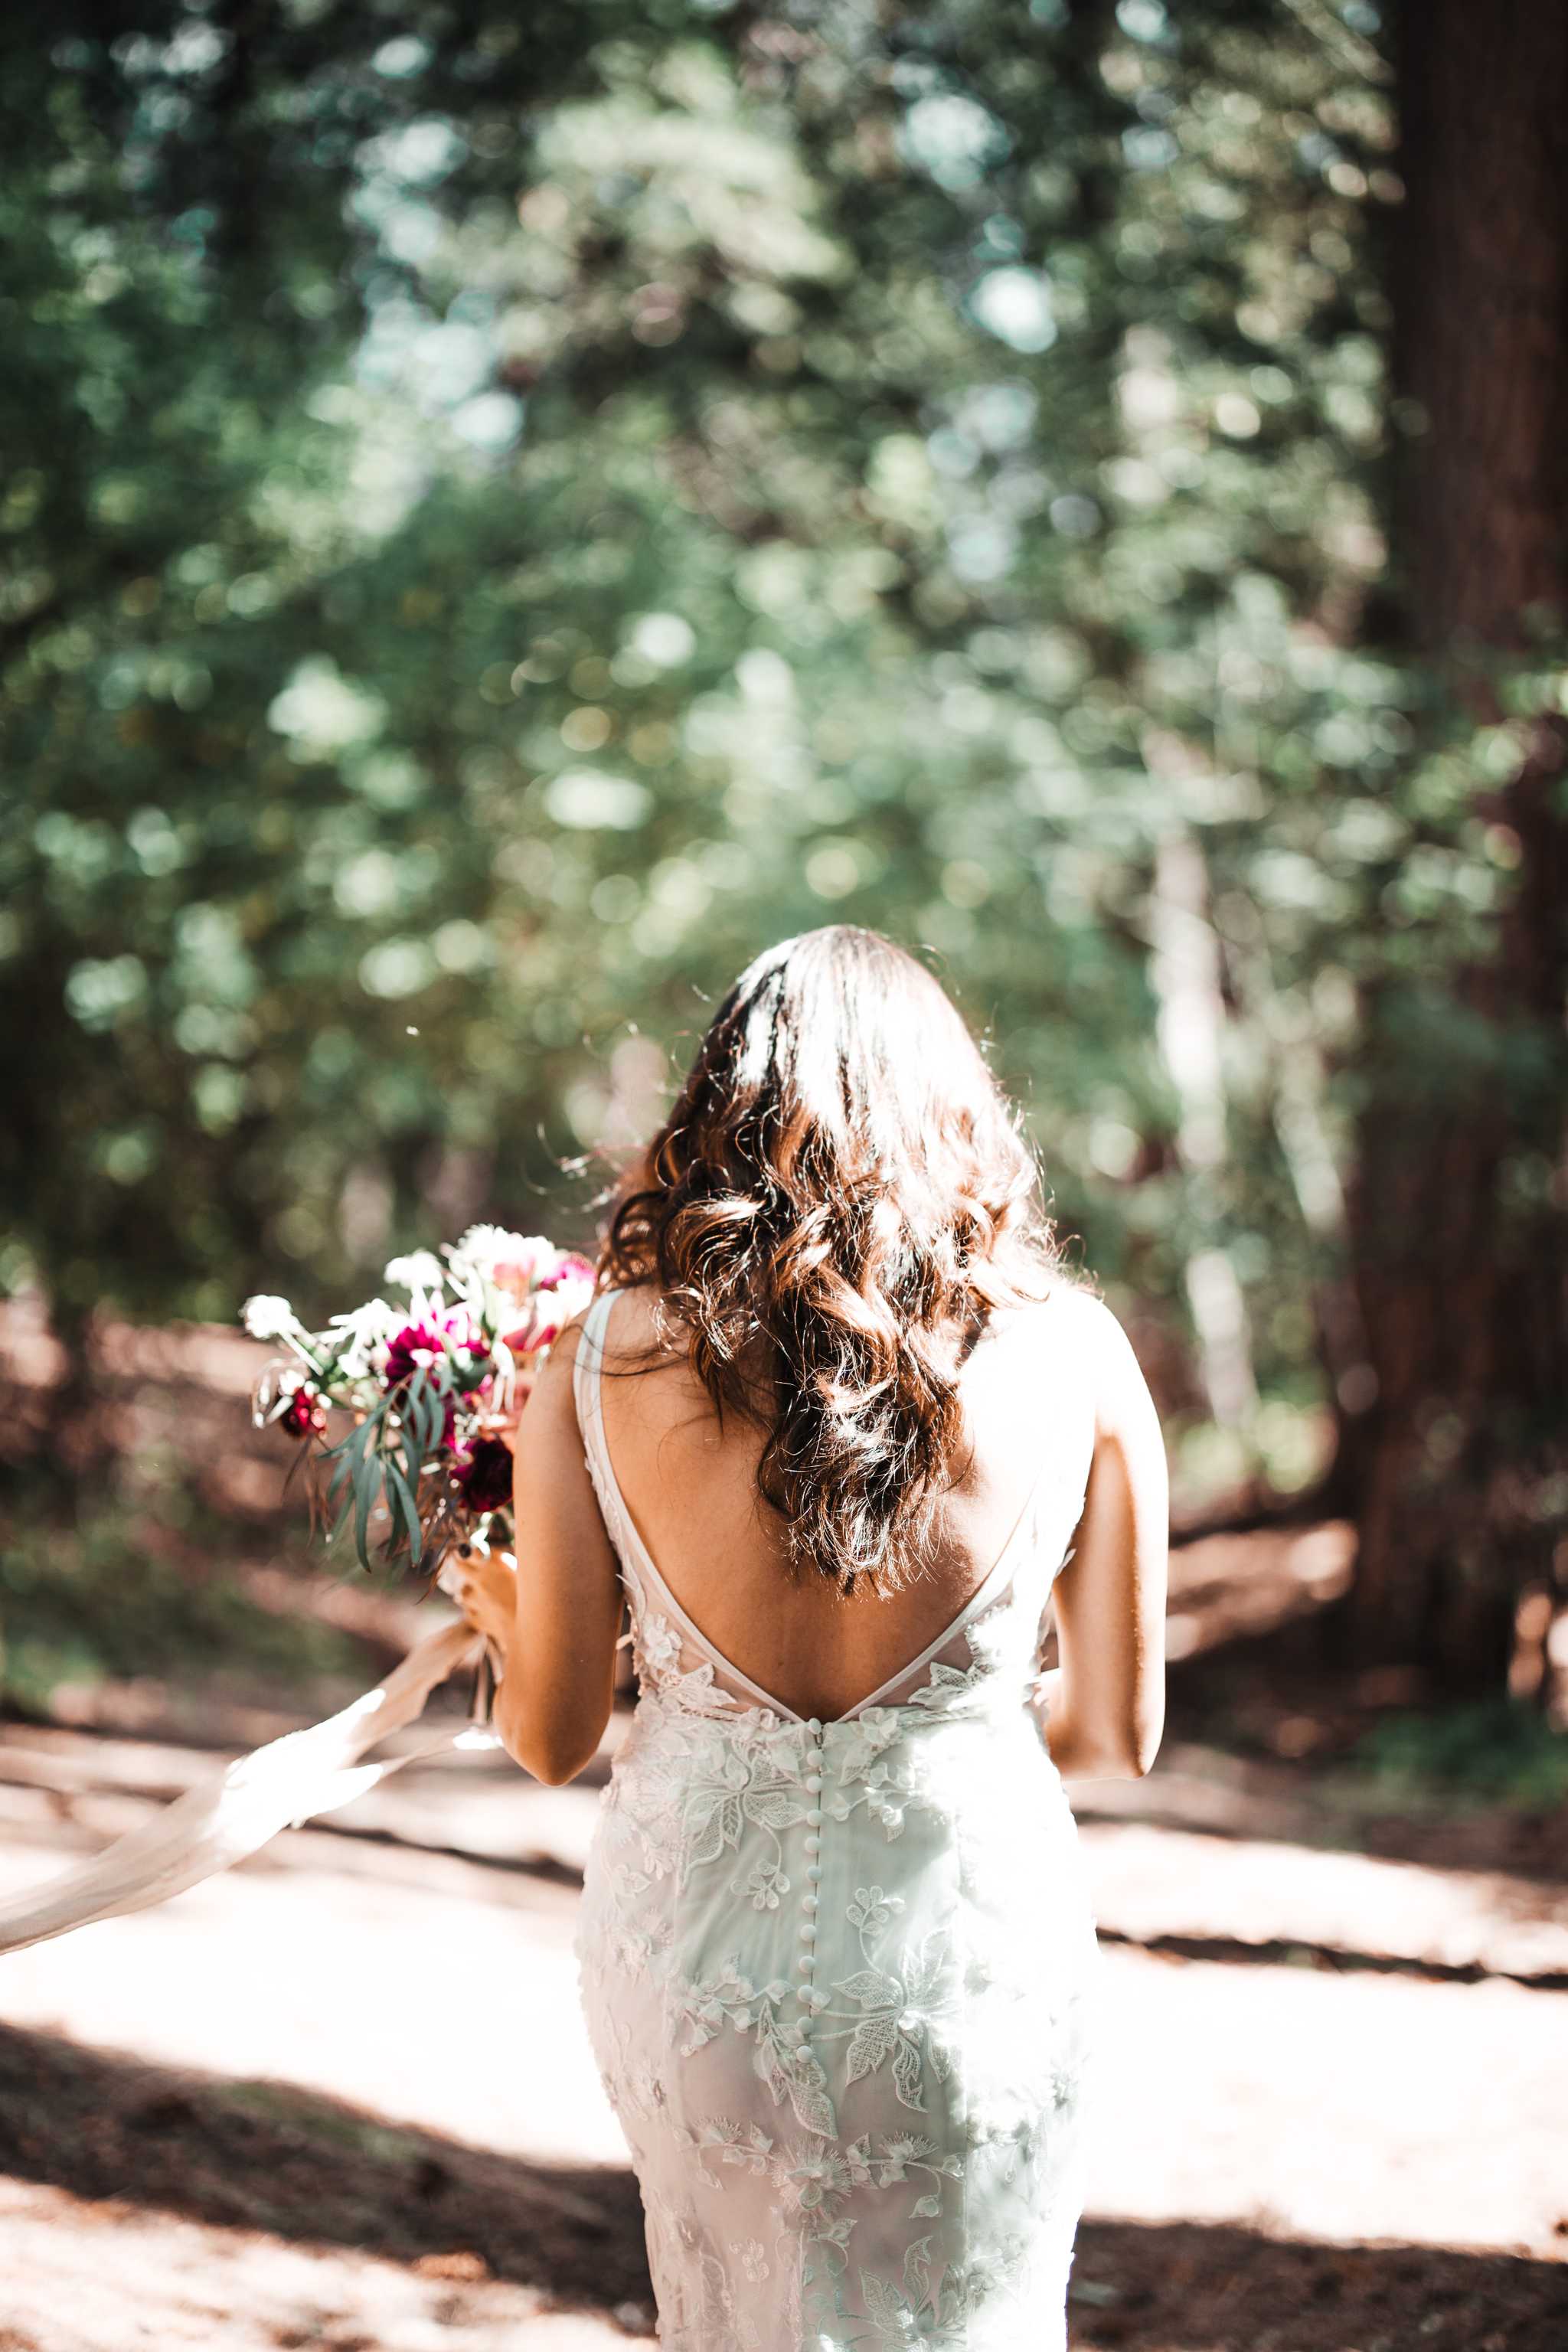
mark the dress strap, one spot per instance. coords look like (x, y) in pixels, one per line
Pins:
(587, 1398)
(585, 1373)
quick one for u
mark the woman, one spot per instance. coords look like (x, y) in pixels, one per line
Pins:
(834, 1420)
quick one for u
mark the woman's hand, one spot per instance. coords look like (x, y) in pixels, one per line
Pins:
(484, 1586)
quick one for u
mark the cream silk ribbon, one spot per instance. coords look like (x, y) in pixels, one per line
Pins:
(276, 1786)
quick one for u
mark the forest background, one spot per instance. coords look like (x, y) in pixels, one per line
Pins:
(506, 511)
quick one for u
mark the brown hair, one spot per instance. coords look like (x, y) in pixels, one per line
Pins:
(839, 1183)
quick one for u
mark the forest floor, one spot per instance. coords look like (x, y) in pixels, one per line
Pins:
(341, 2098)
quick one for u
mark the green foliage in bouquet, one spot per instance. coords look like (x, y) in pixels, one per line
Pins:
(430, 1384)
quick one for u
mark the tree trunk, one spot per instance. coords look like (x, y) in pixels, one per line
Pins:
(1184, 973)
(1457, 1230)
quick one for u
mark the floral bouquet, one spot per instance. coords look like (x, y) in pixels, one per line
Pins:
(430, 1387)
(430, 1383)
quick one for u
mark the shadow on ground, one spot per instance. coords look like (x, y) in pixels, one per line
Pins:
(266, 2156)
(1186, 2286)
(261, 2155)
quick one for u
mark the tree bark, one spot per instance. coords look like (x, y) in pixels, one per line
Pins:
(1458, 1235)
(1184, 973)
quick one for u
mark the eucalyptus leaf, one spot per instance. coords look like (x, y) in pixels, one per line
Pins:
(367, 1489)
(398, 1487)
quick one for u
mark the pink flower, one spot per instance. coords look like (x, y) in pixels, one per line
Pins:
(569, 1267)
(521, 1263)
(542, 1326)
(558, 1295)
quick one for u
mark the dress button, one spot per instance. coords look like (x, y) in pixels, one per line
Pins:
(814, 1817)
(814, 1727)
(806, 1964)
(814, 1783)
(814, 1846)
(809, 1902)
(814, 1872)
(808, 1932)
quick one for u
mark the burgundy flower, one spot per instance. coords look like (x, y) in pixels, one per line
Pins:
(304, 1415)
(485, 1478)
(424, 1343)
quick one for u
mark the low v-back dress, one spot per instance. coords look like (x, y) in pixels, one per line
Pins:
(839, 1976)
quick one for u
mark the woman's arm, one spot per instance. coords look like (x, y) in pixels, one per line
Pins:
(557, 1621)
(1107, 1700)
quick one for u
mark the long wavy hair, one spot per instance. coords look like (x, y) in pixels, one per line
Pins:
(840, 1199)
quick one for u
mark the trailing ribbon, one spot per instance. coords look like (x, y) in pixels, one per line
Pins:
(289, 1781)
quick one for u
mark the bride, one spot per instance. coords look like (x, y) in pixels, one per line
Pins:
(839, 1429)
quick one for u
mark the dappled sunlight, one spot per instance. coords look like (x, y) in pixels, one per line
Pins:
(503, 520)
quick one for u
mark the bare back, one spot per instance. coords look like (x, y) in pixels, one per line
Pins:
(690, 1493)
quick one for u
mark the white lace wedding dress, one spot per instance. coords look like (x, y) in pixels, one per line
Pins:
(840, 1976)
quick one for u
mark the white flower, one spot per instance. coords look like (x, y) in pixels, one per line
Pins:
(269, 1318)
(420, 1270)
(485, 1248)
(370, 1321)
(571, 1294)
(366, 1330)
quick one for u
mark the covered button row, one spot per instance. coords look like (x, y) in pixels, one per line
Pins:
(812, 1783)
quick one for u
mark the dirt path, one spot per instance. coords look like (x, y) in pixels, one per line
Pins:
(341, 2096)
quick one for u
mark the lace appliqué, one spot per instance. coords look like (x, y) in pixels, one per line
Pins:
(837, 1979)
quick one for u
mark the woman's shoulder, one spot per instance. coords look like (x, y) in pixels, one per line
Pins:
(1109, 1360)
(1072, 1332)
(628, 1329)
(1070, 1306)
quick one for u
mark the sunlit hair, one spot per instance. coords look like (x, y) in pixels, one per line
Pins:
(840, 1199)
